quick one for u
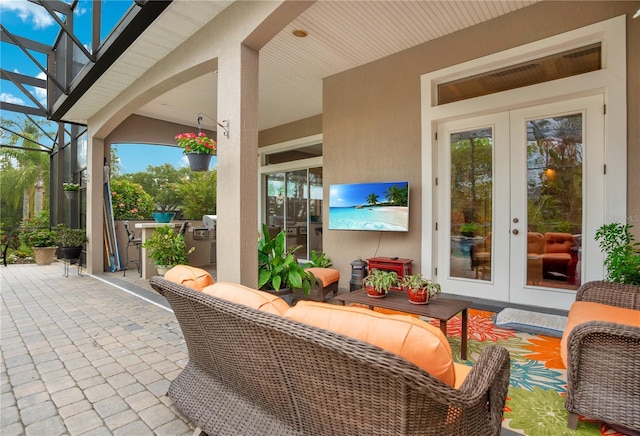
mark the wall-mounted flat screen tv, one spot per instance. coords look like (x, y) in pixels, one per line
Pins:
(381, 206)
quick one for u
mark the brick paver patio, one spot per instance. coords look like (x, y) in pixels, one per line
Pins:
(82, 357)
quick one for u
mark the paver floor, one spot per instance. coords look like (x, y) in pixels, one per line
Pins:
(82, 357)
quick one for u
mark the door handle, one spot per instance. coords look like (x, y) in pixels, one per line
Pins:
(515, 231)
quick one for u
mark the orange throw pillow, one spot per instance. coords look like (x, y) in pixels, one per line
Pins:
(259, 300)
(413, 339)
(189, 276)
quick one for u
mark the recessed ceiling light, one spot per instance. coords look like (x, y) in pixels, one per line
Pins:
(300, 33)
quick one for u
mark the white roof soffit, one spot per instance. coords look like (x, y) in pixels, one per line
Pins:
(341, 35)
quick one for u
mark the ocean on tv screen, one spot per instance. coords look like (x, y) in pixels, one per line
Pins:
(378, 218)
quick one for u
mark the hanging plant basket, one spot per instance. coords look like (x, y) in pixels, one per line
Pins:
(71, 195)
(199, 161)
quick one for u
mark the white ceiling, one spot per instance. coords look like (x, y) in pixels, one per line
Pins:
(341, 35)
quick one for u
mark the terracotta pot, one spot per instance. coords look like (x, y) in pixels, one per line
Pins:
(374, 293)
(418, 296)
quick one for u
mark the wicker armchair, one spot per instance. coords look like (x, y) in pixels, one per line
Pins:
(252, 372)
(603, 358)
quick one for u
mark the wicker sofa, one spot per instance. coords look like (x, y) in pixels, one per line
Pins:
(601, 348)
(255, 372)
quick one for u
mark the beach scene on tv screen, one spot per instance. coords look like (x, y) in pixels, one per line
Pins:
(382, 206)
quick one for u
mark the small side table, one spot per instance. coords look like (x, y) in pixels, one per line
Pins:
(401, 266)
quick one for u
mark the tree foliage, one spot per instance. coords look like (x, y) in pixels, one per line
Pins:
(25, 170)
(199, 195)
(161, 182)
(130, 201)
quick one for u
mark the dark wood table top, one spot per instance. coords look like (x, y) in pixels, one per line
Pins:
(440, 308)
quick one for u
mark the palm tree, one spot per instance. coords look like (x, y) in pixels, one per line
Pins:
(396, 195)
(25, 169)
(372, 199)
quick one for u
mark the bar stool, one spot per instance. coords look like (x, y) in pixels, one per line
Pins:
(132, 241)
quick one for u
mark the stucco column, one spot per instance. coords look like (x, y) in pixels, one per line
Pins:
(237, 210)
(95, 250)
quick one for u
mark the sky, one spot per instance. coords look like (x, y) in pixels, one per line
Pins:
(30, 20)
(135, 158)
(355, 194)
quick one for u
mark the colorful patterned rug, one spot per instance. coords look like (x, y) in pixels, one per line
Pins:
(535, 401)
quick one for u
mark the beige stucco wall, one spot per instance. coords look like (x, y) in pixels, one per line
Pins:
(137, 129)
(298, 129)
(372, 125)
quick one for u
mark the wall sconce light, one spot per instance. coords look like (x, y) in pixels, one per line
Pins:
(224, 124)
(550, 173)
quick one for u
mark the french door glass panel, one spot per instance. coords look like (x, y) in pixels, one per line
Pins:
(554, 200)
(471, 191)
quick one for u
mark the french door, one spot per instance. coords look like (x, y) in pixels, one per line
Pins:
(517, 191)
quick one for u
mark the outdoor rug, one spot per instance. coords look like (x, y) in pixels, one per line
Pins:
(535, 401)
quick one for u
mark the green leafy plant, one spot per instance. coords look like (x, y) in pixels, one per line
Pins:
(198, 195)
(130, 201)
(380, 280)
(67, 237)
(71, 187)
(320, 260)
(420, 285)
(161, 182)
(192, 143)
(469, 228)
(622, 253)
(277, 267)
(167, 248)
(35, 232)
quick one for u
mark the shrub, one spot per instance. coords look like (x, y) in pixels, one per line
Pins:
(622, 253)
(35, 232)
(130, 201)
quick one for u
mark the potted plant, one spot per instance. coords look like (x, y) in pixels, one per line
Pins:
(319, 260)
(37, 235)
(70, 190)
(198, 149)
(278, 269)
(167, 249)
(419, 289)
(378, 282)
(622, 253)
(70, 241)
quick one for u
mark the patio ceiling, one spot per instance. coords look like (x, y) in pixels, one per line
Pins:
(341, 35)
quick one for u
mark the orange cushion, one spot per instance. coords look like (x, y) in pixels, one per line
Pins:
(462, 371)
(189, 276)
(583, 311)
(413, 339)
(259, 300)
(326, 275)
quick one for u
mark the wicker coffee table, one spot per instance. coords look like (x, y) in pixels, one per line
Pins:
(442, 309)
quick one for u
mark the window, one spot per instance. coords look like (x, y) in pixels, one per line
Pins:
(568, 63)
(291, 178)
